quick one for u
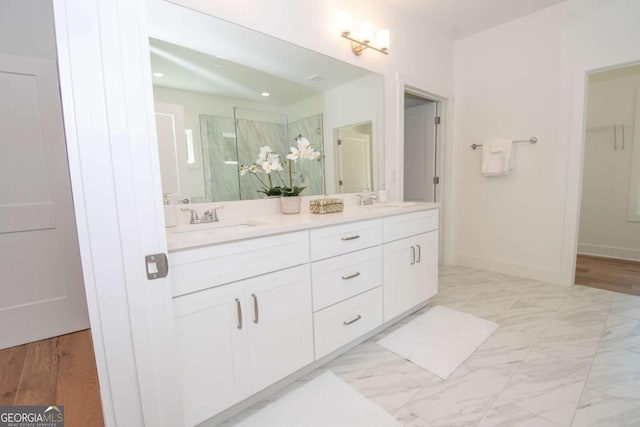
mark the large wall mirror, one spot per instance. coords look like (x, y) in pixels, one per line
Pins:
(223, 91)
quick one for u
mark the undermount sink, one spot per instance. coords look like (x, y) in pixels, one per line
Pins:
(213, 228)
(391, 205)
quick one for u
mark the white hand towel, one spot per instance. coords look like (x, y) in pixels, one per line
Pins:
(497, 157)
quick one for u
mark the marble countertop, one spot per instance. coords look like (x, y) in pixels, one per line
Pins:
(229, 230)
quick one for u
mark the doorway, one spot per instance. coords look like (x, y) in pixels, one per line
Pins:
(609, 234)
(421, 122)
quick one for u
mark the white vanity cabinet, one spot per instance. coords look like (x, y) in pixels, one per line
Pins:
(237, 338)
(251, 312)
(410, 255)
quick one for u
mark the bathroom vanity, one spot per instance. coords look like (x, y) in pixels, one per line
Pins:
(257, 300)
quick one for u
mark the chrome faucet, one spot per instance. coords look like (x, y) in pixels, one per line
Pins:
(210, 215)
(366, 198)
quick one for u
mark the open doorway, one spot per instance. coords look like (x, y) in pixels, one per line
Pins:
(609, 234)
(421, 122)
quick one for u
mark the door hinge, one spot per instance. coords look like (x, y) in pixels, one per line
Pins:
(436, 120)
(436, 180)
(157, 266)
(339, 142)
(340, 182)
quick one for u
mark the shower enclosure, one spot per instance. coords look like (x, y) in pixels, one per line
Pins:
(234, 137)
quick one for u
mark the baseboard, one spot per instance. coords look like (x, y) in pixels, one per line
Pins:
(519, 270)
(629, 254)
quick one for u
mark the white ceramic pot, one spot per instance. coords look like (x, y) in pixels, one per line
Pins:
(290, 205)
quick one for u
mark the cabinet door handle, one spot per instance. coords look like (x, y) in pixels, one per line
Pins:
(350, 238)
(419, 253)
(351, 276)
(354, 320)
(239, 310)
(413, 255)
(255, 308)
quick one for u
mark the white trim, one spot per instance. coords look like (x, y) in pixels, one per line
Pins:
(630, 254)
(113, 160)
(444, 156)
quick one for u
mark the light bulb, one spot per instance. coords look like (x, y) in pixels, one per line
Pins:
(366, 31)
(344, 22)
(383, 39)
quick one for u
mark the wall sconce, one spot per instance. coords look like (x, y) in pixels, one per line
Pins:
(364, 39)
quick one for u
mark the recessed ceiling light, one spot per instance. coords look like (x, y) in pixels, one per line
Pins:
(158, 75)
(265, 94)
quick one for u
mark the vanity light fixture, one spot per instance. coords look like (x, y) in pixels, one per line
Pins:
(265, 94)
(158, 75)
(364, 39)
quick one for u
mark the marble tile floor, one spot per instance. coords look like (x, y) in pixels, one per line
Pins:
(563, 356)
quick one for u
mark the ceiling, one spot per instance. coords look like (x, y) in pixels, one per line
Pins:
(462, 18)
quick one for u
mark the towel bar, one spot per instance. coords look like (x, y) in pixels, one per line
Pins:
(532, 140)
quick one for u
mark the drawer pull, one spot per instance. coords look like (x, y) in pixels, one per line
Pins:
(354, 320)
(351, 276)
(350, 238)
(239, 310)
(255, 308)
(413, 255)
(419, 253)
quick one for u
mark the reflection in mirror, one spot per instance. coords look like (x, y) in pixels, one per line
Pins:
(234, 139)
(354, 158)
(236, 90)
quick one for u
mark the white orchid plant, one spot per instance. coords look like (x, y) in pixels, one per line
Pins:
(269, 162)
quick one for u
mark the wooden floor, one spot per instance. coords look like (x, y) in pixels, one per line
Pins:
(55, 371)
(609, 274)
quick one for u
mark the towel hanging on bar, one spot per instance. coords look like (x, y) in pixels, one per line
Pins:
(531, 140)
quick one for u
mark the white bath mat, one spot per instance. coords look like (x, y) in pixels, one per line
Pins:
(324, 401)
(439, 340)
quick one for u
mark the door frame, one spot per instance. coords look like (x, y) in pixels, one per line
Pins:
(105, 85)
(577, 144)
(443, 155)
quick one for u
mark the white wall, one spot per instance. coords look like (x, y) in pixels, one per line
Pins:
(604, 227)
(521, 79)
(420, 54)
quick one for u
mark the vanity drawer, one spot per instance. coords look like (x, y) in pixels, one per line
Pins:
(192, 270)
(340, 239)
(344, 322)
(339, 278)
(405, 225)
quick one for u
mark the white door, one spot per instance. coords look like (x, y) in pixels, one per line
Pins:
(354, 162)
(279, 319)
(42, 290)
(212, 351)
(419, 152)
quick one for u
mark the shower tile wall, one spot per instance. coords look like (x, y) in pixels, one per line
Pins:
(220, 158)
(252, 135)
(310, 173)
(227, 146)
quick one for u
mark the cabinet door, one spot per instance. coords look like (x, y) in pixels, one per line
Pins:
(212, 351)
(399, 289)
(426, 266)
(410, 272)
(279, 321)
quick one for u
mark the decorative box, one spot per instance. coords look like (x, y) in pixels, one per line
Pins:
(325, 206)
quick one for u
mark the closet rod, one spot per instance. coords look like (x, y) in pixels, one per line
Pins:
(531, 140)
